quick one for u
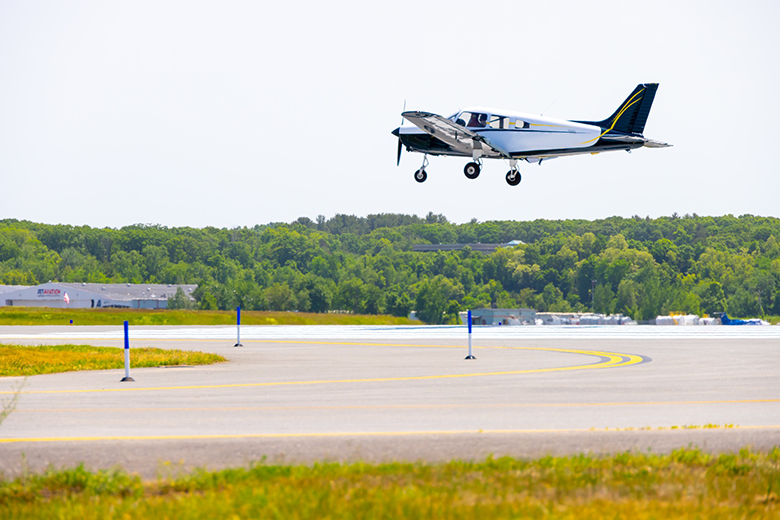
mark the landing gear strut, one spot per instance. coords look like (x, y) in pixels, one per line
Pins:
(420, 175)
(513, 176)
(472, 170)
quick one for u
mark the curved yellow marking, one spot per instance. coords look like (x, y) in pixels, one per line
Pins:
(360, 434)
(613, 360)
(618, 116)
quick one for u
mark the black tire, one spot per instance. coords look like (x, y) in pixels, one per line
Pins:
(471, 170)
(513, 178)
(420, 175)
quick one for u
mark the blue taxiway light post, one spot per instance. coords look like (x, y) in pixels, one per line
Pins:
(127, 377)
(238, 327)
(470, 356)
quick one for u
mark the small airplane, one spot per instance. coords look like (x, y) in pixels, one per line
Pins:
(481, 132)
(725, 320)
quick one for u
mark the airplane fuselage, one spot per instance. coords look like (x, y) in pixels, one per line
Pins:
(523, 136)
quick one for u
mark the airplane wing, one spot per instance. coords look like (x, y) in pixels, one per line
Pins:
(455, 135)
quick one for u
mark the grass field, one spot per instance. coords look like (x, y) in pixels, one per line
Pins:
(684, 484)
(52, 316)
(20, 360)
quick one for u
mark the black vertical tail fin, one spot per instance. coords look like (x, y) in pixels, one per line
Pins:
(631, 116)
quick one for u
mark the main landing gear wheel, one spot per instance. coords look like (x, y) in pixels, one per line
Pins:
(420, 175)
(513, 177)
(471, 170)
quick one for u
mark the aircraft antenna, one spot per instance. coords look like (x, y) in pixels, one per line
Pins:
(548, 108)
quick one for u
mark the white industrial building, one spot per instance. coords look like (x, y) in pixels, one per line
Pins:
(502, 317)
(91, 295)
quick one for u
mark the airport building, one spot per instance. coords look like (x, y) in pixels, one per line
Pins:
(91, 295)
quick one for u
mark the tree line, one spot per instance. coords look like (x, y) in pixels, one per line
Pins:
(636, 266)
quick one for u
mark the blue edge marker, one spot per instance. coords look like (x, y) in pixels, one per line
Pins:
(238, 327)
(127, 377)
(470, 356)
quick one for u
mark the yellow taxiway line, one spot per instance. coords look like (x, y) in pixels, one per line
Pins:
(612, 360)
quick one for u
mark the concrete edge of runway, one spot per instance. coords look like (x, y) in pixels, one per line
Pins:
(170, 457)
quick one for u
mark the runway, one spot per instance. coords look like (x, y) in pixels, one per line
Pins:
(302, 394)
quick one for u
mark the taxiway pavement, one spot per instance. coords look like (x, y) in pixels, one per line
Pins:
(340, 394)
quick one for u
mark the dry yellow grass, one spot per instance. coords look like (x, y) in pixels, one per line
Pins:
(22, 360)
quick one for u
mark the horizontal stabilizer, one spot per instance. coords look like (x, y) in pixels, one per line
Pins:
(649, 143)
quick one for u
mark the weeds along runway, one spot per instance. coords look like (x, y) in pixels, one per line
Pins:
(300, 394)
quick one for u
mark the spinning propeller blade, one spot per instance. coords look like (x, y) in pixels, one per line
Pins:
(400, 144)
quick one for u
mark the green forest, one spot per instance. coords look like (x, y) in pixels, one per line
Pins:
(640, 267)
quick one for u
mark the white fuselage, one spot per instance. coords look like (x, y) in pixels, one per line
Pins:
(519, 133)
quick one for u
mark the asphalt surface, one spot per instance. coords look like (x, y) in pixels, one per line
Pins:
(349, 394)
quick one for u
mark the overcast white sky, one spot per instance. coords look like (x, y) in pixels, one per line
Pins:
(187, 113)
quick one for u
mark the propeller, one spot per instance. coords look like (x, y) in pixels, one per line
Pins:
(400, 144)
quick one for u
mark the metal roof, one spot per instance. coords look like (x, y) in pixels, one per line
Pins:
(9, 288)
(116, 291)
(131, 291)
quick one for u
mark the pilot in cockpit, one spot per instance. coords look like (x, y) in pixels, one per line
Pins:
(477, 120)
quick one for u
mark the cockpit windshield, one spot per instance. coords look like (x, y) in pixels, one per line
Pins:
(472, 119)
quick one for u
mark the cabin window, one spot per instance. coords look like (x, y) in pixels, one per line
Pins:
(473, 119)
(498, 122)
(518, 123)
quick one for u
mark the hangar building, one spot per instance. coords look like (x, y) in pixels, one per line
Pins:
(91, 295)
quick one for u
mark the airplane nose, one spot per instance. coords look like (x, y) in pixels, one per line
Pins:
(397, 132)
